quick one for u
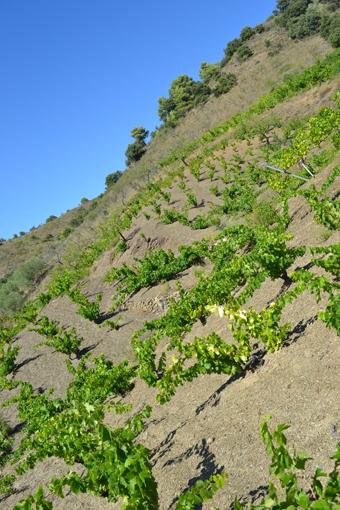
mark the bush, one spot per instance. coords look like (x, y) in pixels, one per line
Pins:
(260, 28)
(296, 8)
(51, 218)
(209, 71)
(305, 25)
(184, 94)
(224, 84)
(246, 33)
(78, 220)
(243, 53)
(112, 179)
(330, 29)
(229, 51)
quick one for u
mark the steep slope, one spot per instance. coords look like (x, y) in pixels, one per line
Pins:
(78, 226)
(217, 281)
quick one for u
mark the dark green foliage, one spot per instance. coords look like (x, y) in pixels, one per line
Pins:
(184, 94)
(112, 179)
(224, 84)
(282, 5)
(136, 149)
(303, 18)
(296, 8)
(330, 29)
(229, 51)
(244, 52)
(235, 45)
(51, 218)
(247, 33)
(260, 28)
(305, 25)
(81, 214)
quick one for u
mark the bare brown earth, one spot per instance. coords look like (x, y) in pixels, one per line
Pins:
(210, 424)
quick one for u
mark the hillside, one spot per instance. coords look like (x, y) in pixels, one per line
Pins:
(193, 299)
(49, 241)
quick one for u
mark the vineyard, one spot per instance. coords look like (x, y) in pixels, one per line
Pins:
(142, 373)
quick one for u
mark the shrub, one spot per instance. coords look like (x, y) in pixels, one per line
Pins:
(330, 29)
(305, 25)
(65, 233)
(246, 33)
(112, 178)
(209, 71)
(260, 28)
(224, 84)
(243, 53)
(229, 51)
(51, 218)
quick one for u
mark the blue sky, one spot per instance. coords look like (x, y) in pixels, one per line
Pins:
(78, 75)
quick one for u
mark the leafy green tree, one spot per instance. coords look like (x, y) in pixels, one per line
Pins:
(246, 33)
(230, 49)
(184, 94)
(260, 28)
(331, 30)
(209, 71)
(112, 179)
(136, 149)
(139, 134)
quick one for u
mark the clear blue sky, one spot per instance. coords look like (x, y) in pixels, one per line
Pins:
(77, 75)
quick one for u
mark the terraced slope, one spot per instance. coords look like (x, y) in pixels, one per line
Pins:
(218, 283)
